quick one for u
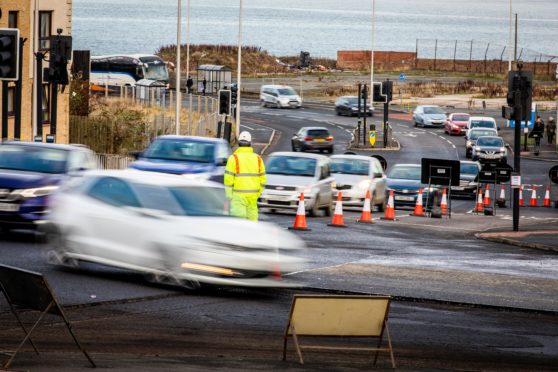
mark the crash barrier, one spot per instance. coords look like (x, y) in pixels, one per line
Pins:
(29, 290)
(330, 316)
(111, 161)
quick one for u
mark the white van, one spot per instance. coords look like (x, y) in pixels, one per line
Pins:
(279, 96)
(482, 122)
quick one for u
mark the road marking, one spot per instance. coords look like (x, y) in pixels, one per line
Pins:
(246, 126)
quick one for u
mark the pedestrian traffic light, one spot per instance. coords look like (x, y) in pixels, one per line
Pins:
(234, 93)
(224, 102)
(364, 92)
(9, 54)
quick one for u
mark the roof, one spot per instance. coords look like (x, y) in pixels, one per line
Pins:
(193, 138)
(352, 157)
(150, 178)
(299, 155)
(315, 128)
(214, 68)
(45, 145)
(484, 118)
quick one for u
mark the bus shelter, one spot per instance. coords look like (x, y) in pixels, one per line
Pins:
(215, 76)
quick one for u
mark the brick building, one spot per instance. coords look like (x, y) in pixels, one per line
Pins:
(52, 15)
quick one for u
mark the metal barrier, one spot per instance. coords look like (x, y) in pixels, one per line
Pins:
(112, 161)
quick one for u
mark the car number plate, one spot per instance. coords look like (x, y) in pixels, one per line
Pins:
(8, 207)
(278, 197)
(319, 140)
(404, 198)
(458, 188)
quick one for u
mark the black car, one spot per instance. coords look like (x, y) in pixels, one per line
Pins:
(312, 139)
(469, 171)
(348, 105)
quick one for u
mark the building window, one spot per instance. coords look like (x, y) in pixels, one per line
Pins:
(11, 101)
(46, 103)
(45, 29)
(12, 19)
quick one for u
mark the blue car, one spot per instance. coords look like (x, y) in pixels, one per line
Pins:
(29, 173)
(195, 157)
(405, 181)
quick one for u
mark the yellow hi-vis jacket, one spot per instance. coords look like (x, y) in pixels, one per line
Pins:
(244, 174)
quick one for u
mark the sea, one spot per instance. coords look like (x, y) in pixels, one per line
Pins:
(476, 28)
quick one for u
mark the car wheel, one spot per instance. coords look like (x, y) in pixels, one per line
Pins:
(475, 158)
(315, 208)
(416, 124)
(467, 154)
(293, 146)
(56, 249)
(330, 150)
(382, 206)
(262, 103)
(328, 210)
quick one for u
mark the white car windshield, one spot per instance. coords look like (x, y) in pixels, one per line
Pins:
(482, 124)
(291, 166)
(433, 110)
(350, 166)
(286, 92)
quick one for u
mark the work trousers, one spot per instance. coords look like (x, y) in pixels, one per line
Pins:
(244, 207)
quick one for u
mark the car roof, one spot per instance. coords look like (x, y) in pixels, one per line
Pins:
(150, 178)
(469, 162)
(314, 128)
(348, 97)
(478, 129)
(428, 106)
(492, 137)
(276, 86)
(460, 113)
(192, 138)
(299, 155)
(351, 157)
(484, 118)
(58, 146)
(407, 165)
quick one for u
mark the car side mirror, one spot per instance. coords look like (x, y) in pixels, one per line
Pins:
(221, 162)
(135, 154)
(378, 175)
(498, 128)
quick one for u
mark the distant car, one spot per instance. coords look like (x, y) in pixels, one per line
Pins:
(456, 123)
(30, 172)
(429, 116)
(196, 157)
(348, 105)
(289, 174)
(355, 175)
(171, 229)
(490, 148)
(473, 134)
(279, 96)
(313, 139)
(482, 122)
(405, 181)
(469, 171)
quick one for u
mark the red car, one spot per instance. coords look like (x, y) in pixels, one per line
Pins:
(456, 123)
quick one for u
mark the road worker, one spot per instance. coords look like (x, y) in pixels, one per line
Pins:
(244, 179)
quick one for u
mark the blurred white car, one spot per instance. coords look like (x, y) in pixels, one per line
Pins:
(171, 228)
(291, 173)
(354, 176)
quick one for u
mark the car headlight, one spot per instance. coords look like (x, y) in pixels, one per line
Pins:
(364, 184)
(469, 143)
(307, 190)
(502, 149)
(334, 185)
(477, 148)
(36, 192)
(429, 189)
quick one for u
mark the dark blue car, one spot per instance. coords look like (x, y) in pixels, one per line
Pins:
(405, 181)
(29, 173)
(196, 157)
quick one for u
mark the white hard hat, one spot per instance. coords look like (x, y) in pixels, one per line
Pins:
(245, 136)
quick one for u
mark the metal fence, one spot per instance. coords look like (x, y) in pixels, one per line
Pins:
(111, 161)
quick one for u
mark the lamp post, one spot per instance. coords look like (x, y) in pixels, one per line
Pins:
(510, 40)
(178, 98)
(372, 54)
(238, 72)
(188, 69)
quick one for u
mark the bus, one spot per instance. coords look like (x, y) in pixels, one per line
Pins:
(126, 70)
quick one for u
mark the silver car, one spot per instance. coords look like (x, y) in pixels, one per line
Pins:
(490, 148)
(354, 176)
(429, 116)
(289, 174)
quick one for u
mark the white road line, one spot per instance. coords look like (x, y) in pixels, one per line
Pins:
(246, 126)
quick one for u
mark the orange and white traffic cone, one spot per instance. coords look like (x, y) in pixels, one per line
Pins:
(533, 201)
(390, 210)
(419, 210)
(546, 202)
(501, 200)
(480, 207)
(486, 200)
(444, 203)
(337, 220)
(521, 203)
(300, 219)
(366, 215)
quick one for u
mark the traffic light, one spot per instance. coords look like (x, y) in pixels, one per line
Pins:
(60, 53)
(521, 81)
(224, 102)
(378, 93)
(9, 54)
(234, 93)
(364, 92)
(387, 90)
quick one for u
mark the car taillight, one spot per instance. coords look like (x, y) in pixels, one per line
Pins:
(330, 138)
(308, 138)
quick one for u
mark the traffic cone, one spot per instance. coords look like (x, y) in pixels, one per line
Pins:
(533, 201)
(521, 204)
(390, 211)
(486, 200)
(419, 210)
(300, 219)
(337, 220)
(480, 207)
(444, 203)
(546, 202)
(366, 215)
(501, 201)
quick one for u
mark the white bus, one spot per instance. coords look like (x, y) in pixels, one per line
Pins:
(126, 70)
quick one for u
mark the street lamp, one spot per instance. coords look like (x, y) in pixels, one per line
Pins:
(510, 40)
(188, 69)
(372, 55)
(178, 99)
(239, 59)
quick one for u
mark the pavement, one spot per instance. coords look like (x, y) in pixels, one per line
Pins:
(536, 237)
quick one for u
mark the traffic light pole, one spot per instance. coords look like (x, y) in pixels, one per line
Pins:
(364, 130)
(4, 110)
(39, 81)
(53, 107)
(18, 93)
(516, 154)
(386, 118)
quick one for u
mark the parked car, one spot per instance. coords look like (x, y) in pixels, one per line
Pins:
(312, 139)
(473, 134)
(469, 171)
(30, 172)
(482, 122)
(405, 181)
(355, 175)
(456, 123)
(490, 148)
(196, 157)
(429, 116)
(289, 174)
(279, 96)
(172, 229)
(348, 105)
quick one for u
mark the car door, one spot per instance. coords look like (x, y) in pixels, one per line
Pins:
(299, 138)
(378, 179)
(418, 115)
(324, 182)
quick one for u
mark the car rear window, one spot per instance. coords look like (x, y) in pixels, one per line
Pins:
(433, 110)
(460, 117)
(467, 168)
(482, 124)
(319, 133)
(479, 133)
